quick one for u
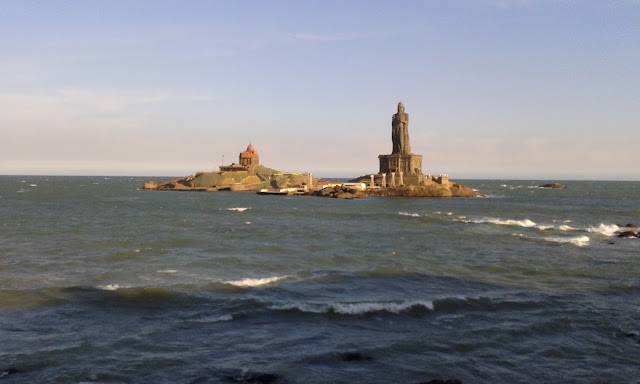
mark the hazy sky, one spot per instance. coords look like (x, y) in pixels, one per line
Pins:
(494, 88)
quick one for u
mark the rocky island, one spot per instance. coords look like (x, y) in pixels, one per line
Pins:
(400, 174)
(247, 175)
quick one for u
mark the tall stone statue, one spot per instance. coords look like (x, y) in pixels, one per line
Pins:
(400, 132)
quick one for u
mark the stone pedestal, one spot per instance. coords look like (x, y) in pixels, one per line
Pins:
(407, 164)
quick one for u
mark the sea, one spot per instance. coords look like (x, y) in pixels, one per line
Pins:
(104, 282)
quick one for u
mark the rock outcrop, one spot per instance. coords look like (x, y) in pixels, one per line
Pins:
(553, 186)
(237, 181)
(431, 189)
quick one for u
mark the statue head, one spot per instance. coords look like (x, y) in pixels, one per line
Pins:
(400, 107)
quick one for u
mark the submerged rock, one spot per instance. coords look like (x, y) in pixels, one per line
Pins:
(628, 234)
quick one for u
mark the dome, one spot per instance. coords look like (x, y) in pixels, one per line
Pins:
(250, 153)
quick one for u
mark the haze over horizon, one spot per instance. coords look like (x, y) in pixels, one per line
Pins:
(499, 89)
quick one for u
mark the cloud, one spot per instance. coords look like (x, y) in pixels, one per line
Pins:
(69, 103)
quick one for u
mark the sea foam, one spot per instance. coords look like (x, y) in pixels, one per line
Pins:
(408, 214)
(239, 209)
(168, 271)
(255, 282)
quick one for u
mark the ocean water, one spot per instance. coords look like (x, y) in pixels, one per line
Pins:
(102, 282)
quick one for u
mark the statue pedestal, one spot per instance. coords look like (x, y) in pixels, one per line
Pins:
(407, 164)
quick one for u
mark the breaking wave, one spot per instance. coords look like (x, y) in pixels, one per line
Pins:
(360, 308)
(408, 214)
(519, 223)
(238, 209)
(255, 282)
(579, 241)
(604, 229)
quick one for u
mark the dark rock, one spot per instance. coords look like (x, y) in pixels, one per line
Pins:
(628, 234)
(9, 371)
(630, 225)
(260, 378)
(552, 186)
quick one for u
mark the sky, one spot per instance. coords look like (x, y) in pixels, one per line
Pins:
(495, 89)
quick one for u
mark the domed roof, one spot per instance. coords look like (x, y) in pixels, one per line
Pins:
(249, 153)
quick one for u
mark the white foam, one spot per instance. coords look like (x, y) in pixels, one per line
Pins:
(167, 271)
(215, 319)
(604, 229)
(408, 214)
(111, 287)
(578, 240)
(239, 209)
(519, 223)
(247, 223)
(357, 308)
(565, 228)
(544, 227)
(256, 282)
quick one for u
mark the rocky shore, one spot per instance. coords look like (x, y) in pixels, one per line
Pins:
(235, 182)
(428, 190)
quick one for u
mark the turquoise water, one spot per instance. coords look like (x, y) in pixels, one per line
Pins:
(103, 282)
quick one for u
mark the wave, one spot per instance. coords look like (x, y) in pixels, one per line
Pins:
(408, 214)
(255, 282)
(604, 229)
(577, 240)
(238, 209)
(214, 319)
(519, 223)
(358, 308)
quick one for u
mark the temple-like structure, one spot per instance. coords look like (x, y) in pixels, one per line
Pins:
(247, 161)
